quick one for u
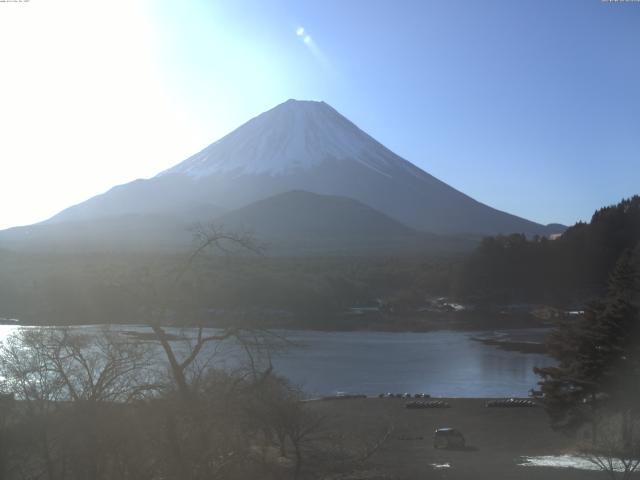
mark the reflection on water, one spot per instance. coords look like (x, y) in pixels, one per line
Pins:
(444, 363)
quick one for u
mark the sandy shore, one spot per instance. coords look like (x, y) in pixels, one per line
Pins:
(497, 439)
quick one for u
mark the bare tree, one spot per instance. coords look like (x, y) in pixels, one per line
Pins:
(80, 392)
(69, 386)
(616, 451)
(206, 238)
(191, 424)
(28, 375)
(7, 406)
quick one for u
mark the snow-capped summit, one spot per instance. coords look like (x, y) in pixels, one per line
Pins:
(294, 135)
(303, 146)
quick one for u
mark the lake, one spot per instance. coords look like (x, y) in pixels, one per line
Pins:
(441, 363)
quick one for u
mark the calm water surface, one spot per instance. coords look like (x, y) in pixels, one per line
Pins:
(443, 363)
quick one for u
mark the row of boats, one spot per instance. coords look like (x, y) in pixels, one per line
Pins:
(404, 395)
(510, 403)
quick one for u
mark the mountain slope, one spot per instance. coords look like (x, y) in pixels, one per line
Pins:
(292, 137)
(300, 214)
(291, 223)
(120, 233)
(302, 222)
(310, 146)
(302, 145)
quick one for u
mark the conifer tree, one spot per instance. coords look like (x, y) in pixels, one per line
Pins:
(598, 357)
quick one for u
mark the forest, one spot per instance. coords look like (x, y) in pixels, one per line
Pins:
(115, 288)
(257, 289)
(569, 270)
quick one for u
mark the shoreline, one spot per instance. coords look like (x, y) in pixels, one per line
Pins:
(373, 323)
(356, 396)
(514, 346)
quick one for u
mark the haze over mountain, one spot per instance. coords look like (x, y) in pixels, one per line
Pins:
(300, 146)
(290, 223)
(303, 222)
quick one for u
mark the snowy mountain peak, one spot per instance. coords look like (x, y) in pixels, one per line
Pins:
(306, 147)
(295, 135)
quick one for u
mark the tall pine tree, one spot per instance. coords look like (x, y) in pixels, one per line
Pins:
(598, 357)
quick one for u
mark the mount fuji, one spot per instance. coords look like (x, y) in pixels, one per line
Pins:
(306, 147)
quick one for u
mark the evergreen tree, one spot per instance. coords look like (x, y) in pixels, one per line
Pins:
(567, 270)
(598, 357)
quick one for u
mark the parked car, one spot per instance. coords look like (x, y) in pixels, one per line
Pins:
(448, 438)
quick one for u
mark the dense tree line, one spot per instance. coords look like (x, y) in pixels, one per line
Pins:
(56, 288)
(599, 353)
(569, 269)
(115, 288)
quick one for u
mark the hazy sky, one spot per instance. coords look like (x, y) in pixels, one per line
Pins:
(532, 107)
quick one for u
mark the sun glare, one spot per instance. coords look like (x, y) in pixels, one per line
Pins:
(99, 85)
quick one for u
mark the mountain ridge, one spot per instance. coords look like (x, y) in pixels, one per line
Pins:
(302, 146)
(292, 223)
